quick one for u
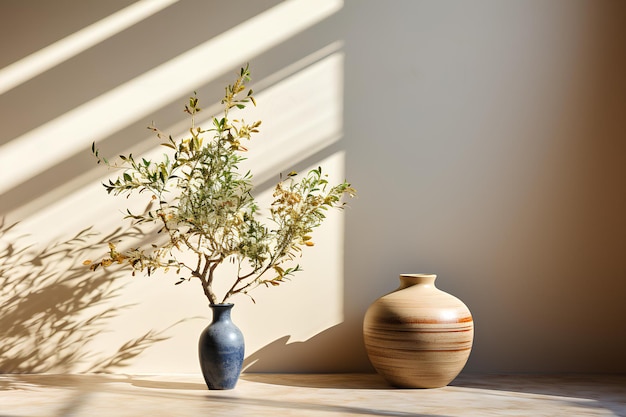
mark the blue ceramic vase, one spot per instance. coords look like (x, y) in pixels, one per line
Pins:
(221, 350)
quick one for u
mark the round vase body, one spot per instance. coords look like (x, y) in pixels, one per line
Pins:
(418, 336)
(221, 350)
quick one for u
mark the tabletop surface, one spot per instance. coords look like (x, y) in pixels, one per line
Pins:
(280, 395)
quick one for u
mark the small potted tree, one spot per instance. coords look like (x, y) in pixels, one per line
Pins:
(204, 206)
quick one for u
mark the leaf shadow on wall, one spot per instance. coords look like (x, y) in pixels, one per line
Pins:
(51, 307)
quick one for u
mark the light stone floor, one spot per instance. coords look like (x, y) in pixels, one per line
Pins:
(280, 395)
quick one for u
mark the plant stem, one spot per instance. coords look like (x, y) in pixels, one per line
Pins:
(208, 288)
(205, 280)
(232, 291)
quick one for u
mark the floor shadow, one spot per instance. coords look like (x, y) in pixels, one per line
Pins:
(91, 380)
(95, 382)
(52, 306)
(332, 381)
(171, 385)
(606, 392)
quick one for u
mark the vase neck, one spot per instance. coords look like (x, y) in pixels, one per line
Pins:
(408, 280)
(221, 312)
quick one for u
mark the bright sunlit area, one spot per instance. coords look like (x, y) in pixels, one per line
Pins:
(301, 108)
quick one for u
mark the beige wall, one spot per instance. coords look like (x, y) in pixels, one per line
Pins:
(485, 138)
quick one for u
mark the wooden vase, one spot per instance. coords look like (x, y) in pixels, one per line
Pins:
(418, 336)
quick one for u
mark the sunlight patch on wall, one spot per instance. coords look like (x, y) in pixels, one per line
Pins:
(301, 115)
(302, 111)
(284, 312)
(41, 61)
(62, 137)
(312, 301)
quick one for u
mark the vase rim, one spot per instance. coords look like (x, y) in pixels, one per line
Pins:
(222, 305)
(419, 275)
